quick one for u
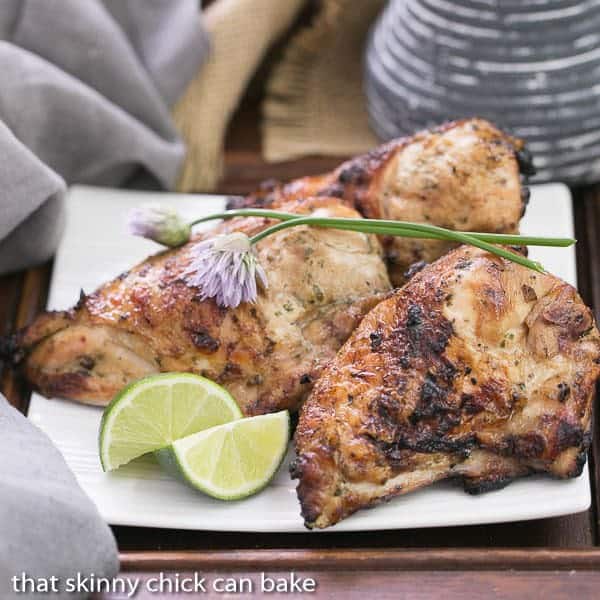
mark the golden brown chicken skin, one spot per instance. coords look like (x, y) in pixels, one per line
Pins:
(266, 354)
(464, 175)
(478, 368)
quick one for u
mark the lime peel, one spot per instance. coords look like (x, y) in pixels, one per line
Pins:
(230, 461)
(153, 412)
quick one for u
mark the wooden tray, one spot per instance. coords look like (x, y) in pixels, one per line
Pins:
(559, 556)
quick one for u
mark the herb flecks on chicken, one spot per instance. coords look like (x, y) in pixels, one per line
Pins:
(464, 175)
(154, 318)
(477, 368)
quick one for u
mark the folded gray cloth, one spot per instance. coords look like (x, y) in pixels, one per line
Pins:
(86, 88)
(48, 526)
(31, 200)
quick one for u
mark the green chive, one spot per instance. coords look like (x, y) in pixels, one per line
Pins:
(485, 241)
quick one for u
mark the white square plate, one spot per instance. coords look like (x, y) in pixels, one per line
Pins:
(96, 247)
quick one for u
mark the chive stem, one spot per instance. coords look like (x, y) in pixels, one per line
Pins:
(401, 230)
(485, 241)
(493, 238)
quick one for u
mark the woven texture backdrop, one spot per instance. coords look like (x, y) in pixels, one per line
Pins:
(315, 102)
(241, 31)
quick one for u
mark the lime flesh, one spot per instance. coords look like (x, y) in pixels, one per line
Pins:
(230, 461)
(155, 411)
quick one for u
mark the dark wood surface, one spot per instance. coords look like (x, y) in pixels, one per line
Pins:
(553, 545)
(392, 585)
(386, 573)
(408, 559)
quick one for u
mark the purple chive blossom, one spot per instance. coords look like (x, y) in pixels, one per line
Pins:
(159, 223)
(226, 268)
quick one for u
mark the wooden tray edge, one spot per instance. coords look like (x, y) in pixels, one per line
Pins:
(429, 559)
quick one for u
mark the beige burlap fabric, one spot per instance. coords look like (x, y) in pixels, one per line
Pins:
(315, 102)
(241, 32)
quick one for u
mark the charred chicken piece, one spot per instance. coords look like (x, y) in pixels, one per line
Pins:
(267, 354)
(478, 369)
(464, 176)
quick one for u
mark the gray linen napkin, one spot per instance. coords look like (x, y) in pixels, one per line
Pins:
(86, 87)
(85, 90)
(31, 199)
(48, 526)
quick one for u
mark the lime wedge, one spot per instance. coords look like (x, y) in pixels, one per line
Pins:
(155, 411)
(230, 461)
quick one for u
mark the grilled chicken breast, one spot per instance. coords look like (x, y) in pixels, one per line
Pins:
(478, 368)
(464, 176)
(267, 354)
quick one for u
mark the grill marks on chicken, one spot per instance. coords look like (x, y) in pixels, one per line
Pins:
(464, 176)
(478, 368)
(267, 354)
